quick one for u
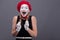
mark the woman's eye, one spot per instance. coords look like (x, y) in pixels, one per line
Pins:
(26, 7)
(22, 7)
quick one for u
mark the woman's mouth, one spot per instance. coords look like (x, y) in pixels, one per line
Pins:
(24, 13)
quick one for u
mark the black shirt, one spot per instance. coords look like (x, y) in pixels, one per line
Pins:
(23, 32)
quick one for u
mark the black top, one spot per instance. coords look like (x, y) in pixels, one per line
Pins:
(23, 32)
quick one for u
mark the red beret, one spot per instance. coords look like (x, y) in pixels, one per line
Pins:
(23, 2)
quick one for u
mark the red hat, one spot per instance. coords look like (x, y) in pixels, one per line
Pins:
(23, 2)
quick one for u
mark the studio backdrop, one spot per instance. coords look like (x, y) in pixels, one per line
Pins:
(47, 13)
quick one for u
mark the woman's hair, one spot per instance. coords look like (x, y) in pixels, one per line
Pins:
(23, 2)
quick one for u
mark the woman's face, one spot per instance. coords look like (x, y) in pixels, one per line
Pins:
(24, 10)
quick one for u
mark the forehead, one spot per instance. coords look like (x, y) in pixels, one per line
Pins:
(24, 5)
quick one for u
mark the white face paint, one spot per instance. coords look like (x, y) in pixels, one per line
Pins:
(24, 10)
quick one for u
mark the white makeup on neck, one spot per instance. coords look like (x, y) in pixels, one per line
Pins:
(24, 10)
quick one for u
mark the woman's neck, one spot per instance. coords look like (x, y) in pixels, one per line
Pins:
(24, 17)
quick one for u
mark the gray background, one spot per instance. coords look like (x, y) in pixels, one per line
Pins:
(47, 13)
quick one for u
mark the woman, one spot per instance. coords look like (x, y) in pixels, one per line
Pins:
(24, 26)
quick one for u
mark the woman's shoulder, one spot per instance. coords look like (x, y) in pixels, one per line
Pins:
(15, 18)
(33, 17)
